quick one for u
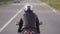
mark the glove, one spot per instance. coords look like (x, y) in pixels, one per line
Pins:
(38, 32)
(19, 31)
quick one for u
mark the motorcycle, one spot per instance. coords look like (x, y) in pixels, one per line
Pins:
(29, 30)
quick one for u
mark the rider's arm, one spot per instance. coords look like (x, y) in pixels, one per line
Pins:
(20, 23)
(37, 25)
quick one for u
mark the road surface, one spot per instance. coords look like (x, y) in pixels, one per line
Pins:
(10, 14)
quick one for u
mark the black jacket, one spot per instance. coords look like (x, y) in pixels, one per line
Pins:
(29, 19)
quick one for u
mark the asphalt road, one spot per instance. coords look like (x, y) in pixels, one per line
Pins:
(51, 20)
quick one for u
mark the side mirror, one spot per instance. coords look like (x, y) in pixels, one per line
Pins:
(16, 24)
(40, 23)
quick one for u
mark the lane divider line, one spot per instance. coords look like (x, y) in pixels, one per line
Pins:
(1, 29)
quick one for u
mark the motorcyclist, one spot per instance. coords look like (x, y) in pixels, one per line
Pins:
(29, 19)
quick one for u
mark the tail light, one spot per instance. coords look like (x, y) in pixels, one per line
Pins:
(28, 32)
(31, 32)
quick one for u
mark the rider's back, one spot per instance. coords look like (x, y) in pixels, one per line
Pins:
(29, 19)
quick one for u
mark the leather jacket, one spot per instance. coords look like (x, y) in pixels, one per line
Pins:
(29, 19)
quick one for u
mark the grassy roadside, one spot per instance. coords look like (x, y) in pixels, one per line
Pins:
(5, 2)
(55, 4)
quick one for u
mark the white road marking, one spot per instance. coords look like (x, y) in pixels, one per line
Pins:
(10, 20)
(54, 10)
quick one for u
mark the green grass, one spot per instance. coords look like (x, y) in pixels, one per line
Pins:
(6, 2)
(55, 4)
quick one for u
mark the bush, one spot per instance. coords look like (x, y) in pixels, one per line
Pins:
(5, 2)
